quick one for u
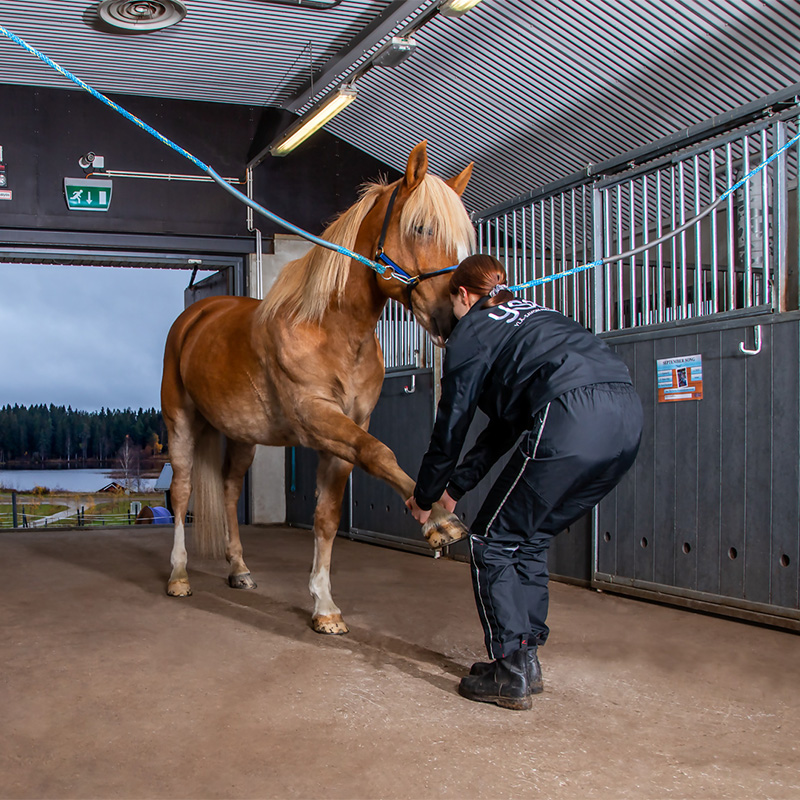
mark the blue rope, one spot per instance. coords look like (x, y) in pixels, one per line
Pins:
(379, 268)
(557, 275)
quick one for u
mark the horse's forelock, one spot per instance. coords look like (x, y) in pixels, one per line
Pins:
(433, 205)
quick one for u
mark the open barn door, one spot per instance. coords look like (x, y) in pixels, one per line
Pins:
(219, 283)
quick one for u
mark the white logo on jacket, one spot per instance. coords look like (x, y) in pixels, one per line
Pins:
(512, 310)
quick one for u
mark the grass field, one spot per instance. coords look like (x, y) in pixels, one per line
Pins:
(80, 509)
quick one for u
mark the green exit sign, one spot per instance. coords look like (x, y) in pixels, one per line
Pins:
(87, 194)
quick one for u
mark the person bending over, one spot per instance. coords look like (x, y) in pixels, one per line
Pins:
(567, 402)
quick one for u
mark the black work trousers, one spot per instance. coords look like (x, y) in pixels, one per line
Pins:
(578, 449)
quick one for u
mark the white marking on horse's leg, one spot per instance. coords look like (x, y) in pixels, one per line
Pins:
(331, 481)
(319, 585)
(178, 585)
(178, 557)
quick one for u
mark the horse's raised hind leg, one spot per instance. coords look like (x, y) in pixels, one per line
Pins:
(181, 448)
(332, 475)
(335, 433)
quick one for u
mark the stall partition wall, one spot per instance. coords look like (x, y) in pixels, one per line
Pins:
(708, 517)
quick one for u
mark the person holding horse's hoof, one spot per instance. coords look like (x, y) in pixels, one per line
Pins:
(567, 402)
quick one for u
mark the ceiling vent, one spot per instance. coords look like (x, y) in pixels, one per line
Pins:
(141, 16)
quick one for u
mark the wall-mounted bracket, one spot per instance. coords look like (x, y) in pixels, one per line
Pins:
(754, 352)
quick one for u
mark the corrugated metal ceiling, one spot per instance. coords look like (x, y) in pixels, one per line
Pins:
(530, 90)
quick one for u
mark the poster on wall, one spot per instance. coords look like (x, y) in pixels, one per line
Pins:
(680, 378)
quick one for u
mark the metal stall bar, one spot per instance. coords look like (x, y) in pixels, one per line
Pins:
(781, 299)
(731, 242)
(661, 300)
(698, 240)
(646, 236)
(764, 224)
(712, 188)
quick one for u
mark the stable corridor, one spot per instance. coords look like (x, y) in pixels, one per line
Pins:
(112, 689)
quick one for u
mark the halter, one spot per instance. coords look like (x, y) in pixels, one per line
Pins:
(395, 270)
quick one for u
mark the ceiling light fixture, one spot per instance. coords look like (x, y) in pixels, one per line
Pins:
(302, 128)
(394, 52)
(457, 8)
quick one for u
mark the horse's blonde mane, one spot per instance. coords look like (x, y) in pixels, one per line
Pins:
(305, 287)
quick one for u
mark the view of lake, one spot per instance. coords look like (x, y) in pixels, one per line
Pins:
(70, 480)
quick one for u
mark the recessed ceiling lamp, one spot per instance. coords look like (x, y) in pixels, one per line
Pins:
(457, 8)
(141, 16)
(312, 121)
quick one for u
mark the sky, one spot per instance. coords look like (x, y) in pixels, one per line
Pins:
(86, 337)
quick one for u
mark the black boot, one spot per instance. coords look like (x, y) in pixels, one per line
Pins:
(504, 683)
(534, 670)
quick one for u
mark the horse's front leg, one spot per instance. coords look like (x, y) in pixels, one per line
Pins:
(336, 433)
(238, 458)
(332, 475)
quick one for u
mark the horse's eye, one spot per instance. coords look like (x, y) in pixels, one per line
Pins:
(421, 230)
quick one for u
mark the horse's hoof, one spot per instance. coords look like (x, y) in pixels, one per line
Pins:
(332, 624)
(242, 581)
(444, 532)
(179, 588)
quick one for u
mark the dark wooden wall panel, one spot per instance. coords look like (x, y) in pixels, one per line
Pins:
(644, 520)
(758, 464)
(661, 456)
(733, 476)
(705, 540)
(687, 453)
(724, 471)
(403, 422)
(785, 550)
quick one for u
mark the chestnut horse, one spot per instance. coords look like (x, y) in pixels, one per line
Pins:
(304, 367)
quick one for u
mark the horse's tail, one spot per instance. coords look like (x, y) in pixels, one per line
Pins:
(210, 527)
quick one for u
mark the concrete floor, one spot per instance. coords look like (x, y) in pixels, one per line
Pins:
(111, 689)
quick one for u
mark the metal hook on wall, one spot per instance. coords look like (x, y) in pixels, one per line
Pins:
(413, 388)
(746, 350)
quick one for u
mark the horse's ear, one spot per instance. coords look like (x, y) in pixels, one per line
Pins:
(417, 166)
(460, 181)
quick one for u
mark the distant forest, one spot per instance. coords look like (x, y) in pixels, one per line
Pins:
(49, 433)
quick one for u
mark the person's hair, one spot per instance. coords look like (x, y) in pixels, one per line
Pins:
(480, 274)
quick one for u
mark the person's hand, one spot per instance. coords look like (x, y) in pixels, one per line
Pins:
(419, 514)
(448, 502)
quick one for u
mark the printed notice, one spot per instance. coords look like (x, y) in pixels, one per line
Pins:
(680, 378)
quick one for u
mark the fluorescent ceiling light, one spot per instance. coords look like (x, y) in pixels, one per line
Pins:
(456, 8)
(302, 128)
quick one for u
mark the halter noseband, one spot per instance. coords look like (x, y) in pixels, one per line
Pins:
(397, 272)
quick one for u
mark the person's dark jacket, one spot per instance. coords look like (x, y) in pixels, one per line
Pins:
(510, 361)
